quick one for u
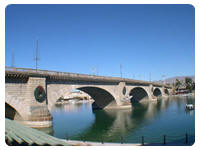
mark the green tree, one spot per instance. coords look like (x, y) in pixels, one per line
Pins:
(189, 84)
(193, 85)
(177, 84)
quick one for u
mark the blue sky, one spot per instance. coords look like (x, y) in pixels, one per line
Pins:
(156, 39)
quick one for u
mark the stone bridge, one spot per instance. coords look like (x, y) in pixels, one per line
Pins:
(108, 92)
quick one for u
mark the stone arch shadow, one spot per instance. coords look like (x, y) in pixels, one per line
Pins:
(102, 97)
(12, 110)
(138, 94)
(166, 91)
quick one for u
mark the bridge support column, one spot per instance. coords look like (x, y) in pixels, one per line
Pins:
(121, 96)
(38, 115)
(151, 96)
(163, 92)
(121, 92)
(170, 91)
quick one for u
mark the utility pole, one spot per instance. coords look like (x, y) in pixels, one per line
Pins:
(121, 70)
(13, 59)
(36, 55)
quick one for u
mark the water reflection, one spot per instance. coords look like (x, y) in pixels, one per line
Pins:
(151, 119)
(71, 119)
(48, 130)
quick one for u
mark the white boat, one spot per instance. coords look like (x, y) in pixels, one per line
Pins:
(189, 106)
(72, 101)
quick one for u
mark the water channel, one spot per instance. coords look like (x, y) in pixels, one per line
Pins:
(151, 120)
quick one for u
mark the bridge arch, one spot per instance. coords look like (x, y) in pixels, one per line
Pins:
(157, 92)
(103, 96)
(138, 94)
(12, 109)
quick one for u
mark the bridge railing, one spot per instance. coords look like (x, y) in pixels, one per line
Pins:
(40, 71)
(29, 70)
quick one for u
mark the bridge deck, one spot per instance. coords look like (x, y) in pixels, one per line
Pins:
(17, 134)
(55, 75)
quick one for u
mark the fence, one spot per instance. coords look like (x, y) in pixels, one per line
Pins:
(184, 139)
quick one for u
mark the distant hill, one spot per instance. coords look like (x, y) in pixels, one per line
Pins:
(173, 79)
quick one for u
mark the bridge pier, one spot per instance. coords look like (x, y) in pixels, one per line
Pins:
(32, 112)
(39, 115)
(151, 96)
(165, 92)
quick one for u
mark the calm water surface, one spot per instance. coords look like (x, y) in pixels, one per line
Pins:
(151, 120)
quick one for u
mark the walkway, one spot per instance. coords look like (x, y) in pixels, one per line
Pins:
(17, 134)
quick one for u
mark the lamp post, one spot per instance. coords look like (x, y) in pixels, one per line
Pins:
(121, 70)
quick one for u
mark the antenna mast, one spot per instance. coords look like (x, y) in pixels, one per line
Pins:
(36, 56)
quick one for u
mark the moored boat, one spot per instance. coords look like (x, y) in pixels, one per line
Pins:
(189, 106)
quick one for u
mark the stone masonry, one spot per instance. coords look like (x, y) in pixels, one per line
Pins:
(108, 92)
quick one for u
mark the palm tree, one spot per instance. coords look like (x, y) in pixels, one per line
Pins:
(178, 84)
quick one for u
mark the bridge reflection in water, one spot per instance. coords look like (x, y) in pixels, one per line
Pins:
(150, 119)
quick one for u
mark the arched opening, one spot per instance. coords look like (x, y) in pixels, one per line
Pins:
(74, 95)
(102, 98)
(138, 94)
(166, 91)
(157, 92)
(11, 113)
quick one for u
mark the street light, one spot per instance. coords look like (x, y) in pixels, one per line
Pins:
(121, 70)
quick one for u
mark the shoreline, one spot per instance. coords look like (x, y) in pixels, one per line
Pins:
(90, 143)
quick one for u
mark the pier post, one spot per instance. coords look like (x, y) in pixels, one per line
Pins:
(121, 140)
(164, 139)
(142, 140)
(186, 138)
(102, 140)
